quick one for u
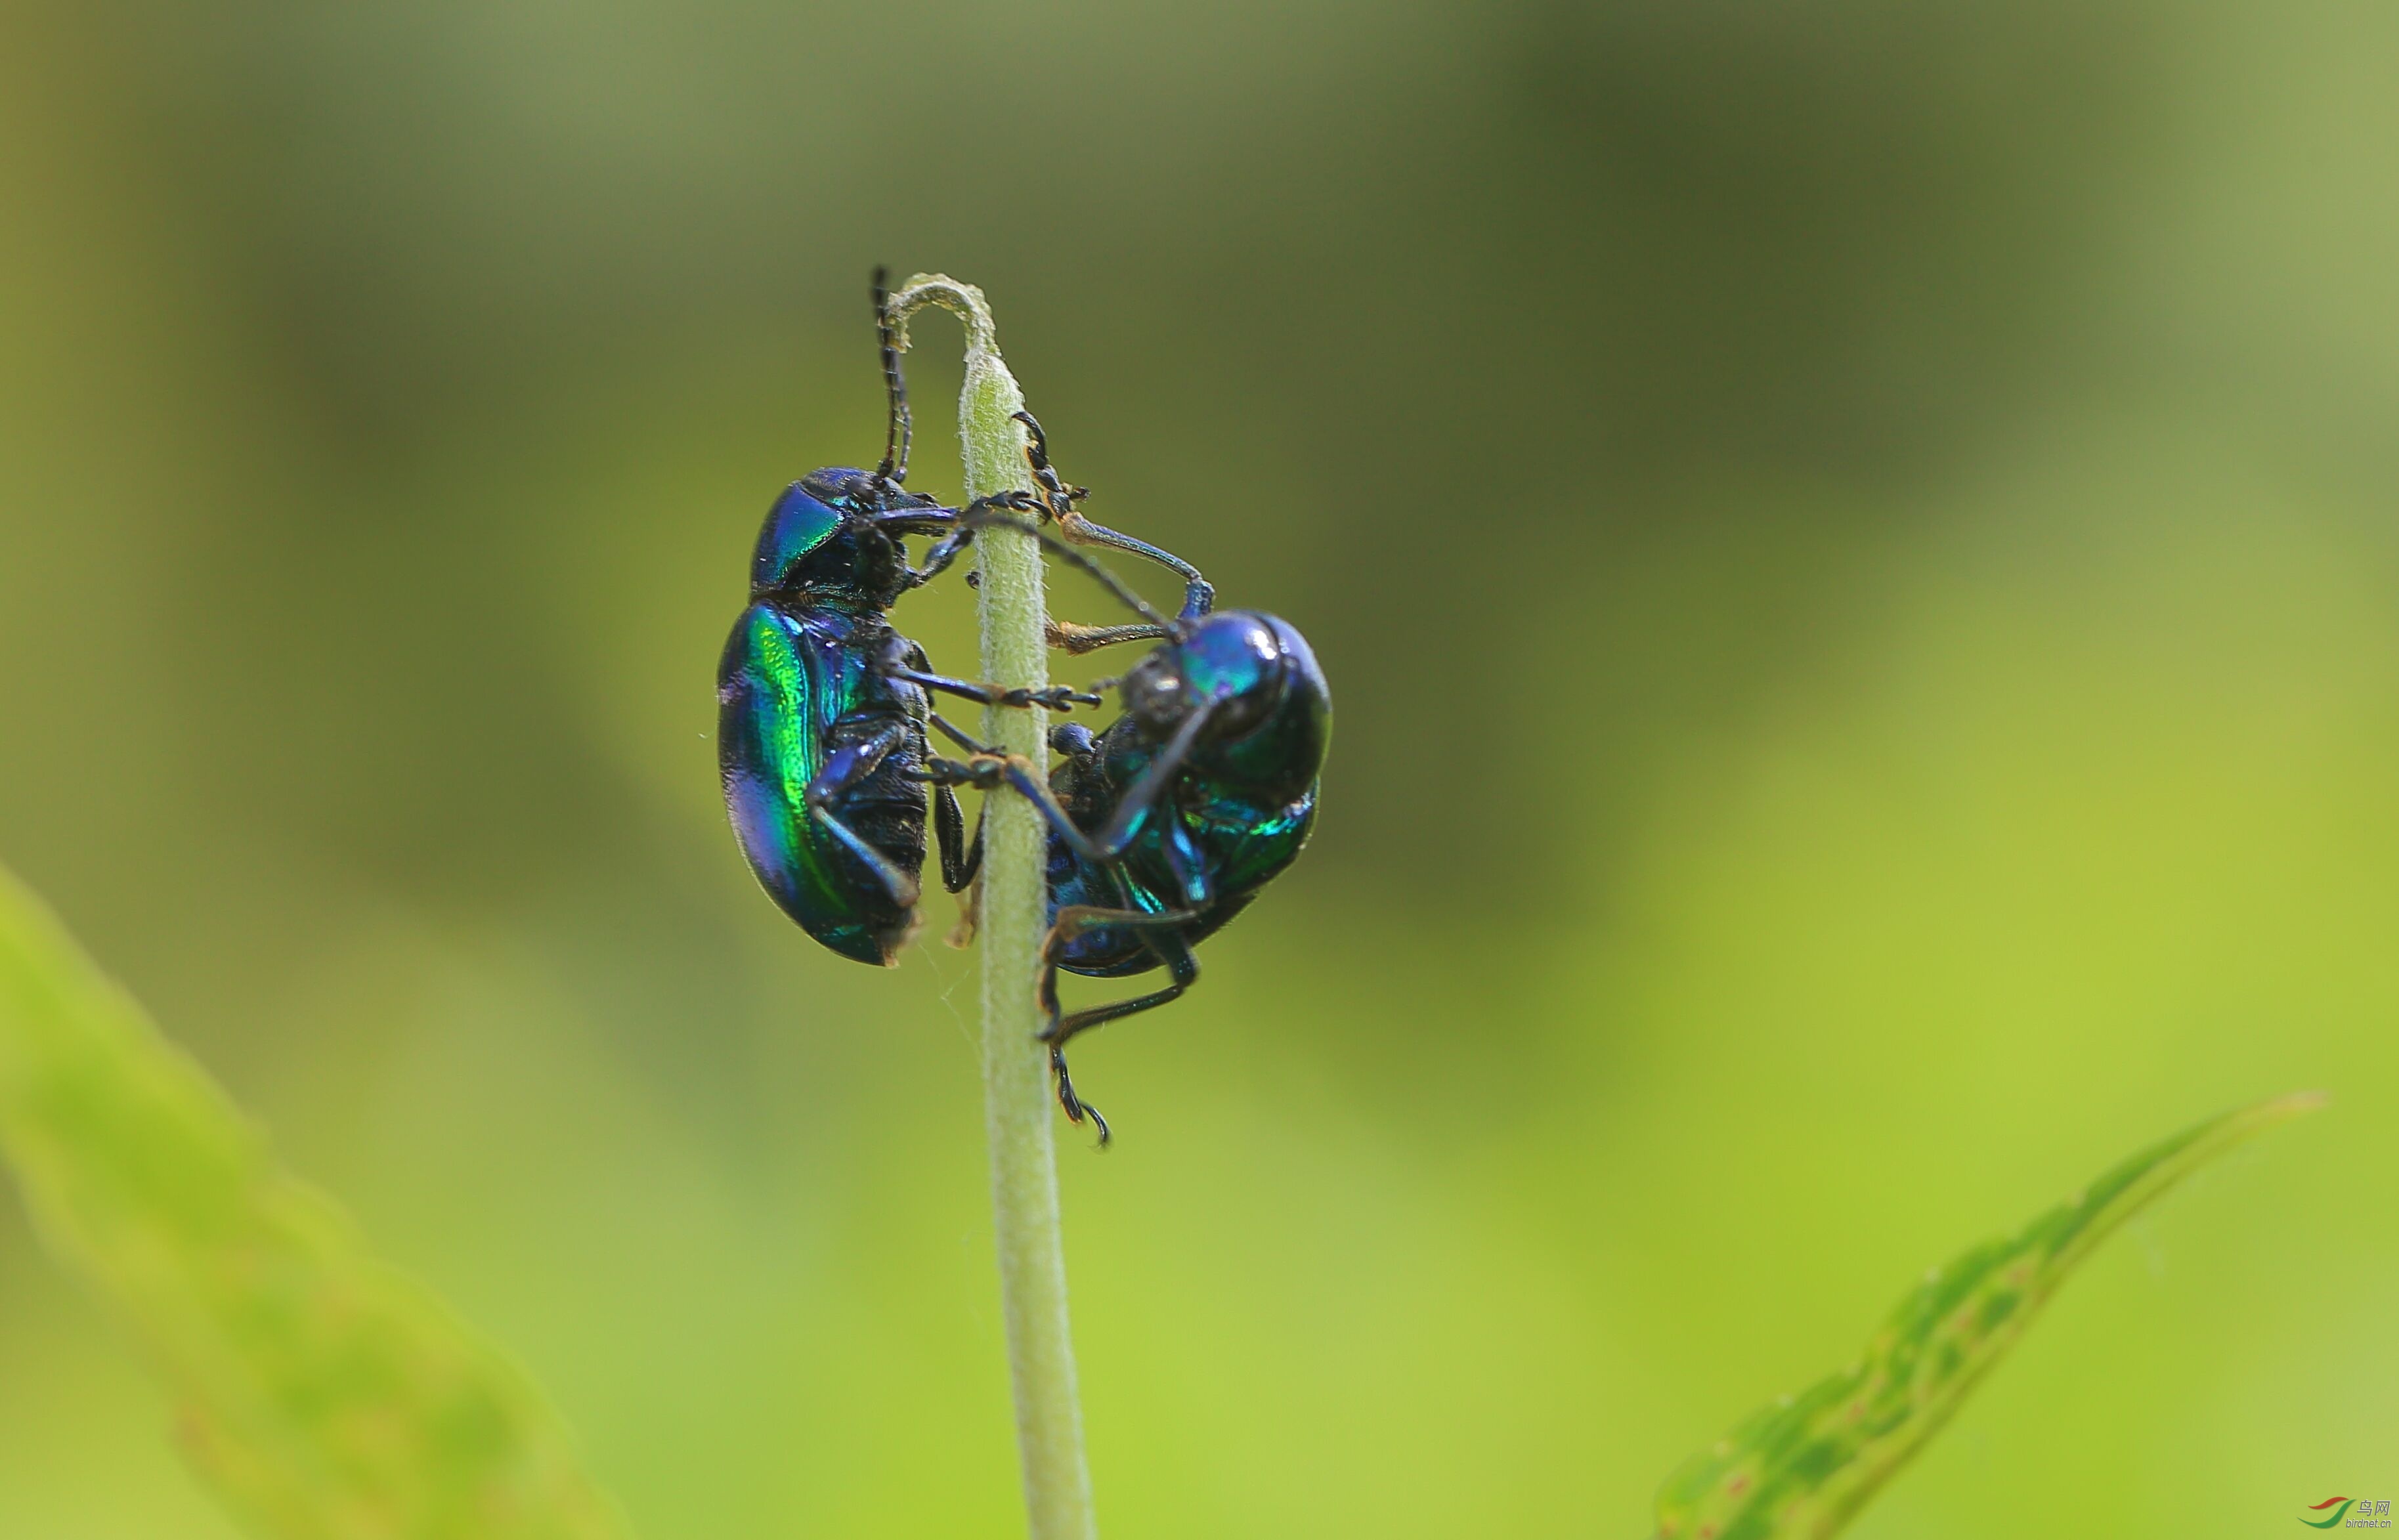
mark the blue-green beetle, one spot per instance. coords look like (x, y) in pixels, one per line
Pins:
(1171, 820)
(821, 704)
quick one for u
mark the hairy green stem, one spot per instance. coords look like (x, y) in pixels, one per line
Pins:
(1017, 1116)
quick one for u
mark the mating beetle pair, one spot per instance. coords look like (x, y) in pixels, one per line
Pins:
(1164, 826)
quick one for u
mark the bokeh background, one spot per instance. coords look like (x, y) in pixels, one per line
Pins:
(1855, 546)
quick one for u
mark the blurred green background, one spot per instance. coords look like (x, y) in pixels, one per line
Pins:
(1854, 545)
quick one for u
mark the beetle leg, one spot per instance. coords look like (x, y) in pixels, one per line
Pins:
(845, 768)
(950, 730)
(960, 860)
(1159, 933)
(1199, 597)
(1199, 594)
(955, 526)
(949, 837)
(999, 511)
(1194, 885)
(980, 773)
(905, 660)
(990, 514)
(1068, 637)
(1057, 698)
(1112, 842)
(1057, 498)
(990, 766)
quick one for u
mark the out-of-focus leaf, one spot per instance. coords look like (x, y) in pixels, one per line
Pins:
(324, 1395)
(1801, 1468)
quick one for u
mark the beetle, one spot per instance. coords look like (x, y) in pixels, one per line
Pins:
(822, 703)
(1167, 823)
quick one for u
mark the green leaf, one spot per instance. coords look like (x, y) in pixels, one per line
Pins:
(323, 1395)
(1805, 1466)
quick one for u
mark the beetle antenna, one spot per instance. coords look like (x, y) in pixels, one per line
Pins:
(897, 427)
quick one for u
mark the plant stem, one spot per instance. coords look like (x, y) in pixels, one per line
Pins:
(1015, 913)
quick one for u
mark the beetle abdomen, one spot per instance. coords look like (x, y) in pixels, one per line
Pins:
(780, 687)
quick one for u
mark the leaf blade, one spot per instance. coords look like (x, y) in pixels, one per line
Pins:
(321, 1394)
(1804, 1465)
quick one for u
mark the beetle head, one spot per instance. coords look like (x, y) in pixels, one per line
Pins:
(821, 537)
(1240, 666)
